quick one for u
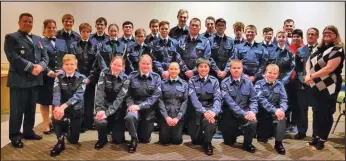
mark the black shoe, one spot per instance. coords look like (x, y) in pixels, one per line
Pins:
(32, 137)
(313, 142)
(17, 144)
(208, 149)
(280, 148)
(100, 144)
(319, 145)
(133, 146)
(58, 148)
(249, 148)
(300, 136)
(263, 140)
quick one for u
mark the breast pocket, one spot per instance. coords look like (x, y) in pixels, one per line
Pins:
(134, 56)
(200, 51)
(135, 85)
(109, 85)
(245, 93)
(180, 91)
(276, 92)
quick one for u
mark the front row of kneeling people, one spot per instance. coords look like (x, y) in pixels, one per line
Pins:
(133, 101)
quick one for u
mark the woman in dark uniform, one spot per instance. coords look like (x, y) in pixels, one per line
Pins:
(323, 74)
(56, 49)
(172, 104)
(109, 100)
(141, 102)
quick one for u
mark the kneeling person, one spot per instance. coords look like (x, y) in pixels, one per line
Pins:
(172, 104)
(272, 100)
(110, 95)
(68, 104)
(239, 108)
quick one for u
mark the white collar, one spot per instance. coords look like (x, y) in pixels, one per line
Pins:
(270, 42)
(155, 35)
(223, 35)
(164, 38)
(69, 32)
(205, 78)
(70, 75)
(85, 40)
(252, 42)
(282, 47)
(116, 39)
(127, 38)
(141, 44)
(314, 45)
(145, 74)
(100, 35)
(194, 37)
(181, 27)
(237, 79)
(173, 79)
(268, 81)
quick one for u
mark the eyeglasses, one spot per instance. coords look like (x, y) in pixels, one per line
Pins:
(328, 33)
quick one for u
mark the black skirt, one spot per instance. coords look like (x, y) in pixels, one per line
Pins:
(45, 94)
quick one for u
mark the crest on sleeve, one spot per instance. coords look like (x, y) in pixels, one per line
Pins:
(127, 82)
(100, 82)
(190, 91)
(223, 93)
(56, 82)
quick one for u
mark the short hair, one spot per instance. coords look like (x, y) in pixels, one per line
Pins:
(68, 17)
(127, 23)
(25, 14)
(314, 28)
(281, 32)
(163, 23)
(272, 66)
(267, 29)
(220, 20)
(202, 60)
(238, 26)
(113, 24)
(182, 11)
(252, 27)
(288, 21)
(85, 26)
(235, 61)
(298, 32)
(210, 18)
(118, 57)
(68, 57)
(47, 22)
(100, 19)
(153, 21)
(195, 19)
(140, 31)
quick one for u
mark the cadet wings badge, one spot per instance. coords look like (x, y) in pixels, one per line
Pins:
(22, 51)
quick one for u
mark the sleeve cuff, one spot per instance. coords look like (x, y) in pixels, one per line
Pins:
(179, 116)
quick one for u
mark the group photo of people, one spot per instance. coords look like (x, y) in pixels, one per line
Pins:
(172, 79)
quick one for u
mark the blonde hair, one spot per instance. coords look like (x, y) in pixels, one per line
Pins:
(235, 61)
(174, 63)
(68, 57)
(338, 41)
(281, 32)
(118, 57)
(273, 67)
(145, 56)
(140, 31)
(251, 27)
(238, 26)
(182, 11)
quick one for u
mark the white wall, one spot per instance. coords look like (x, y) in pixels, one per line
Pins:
(260, 14)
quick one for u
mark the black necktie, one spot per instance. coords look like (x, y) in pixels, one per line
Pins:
(144, 77)
(236, 82)
(113, 41)
(173, 81)
(203, 79)
(193, 40)
(165, 41)
(310, 49)
(52, 39)
(65, 34)
(270, 84)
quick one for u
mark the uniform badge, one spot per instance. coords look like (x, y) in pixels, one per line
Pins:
(22, 51)
(40, 45)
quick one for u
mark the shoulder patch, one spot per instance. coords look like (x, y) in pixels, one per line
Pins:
(127, 82)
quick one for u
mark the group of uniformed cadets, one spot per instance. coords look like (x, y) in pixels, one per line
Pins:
(179, 76)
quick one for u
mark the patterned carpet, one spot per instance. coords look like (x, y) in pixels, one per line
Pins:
(295, 150)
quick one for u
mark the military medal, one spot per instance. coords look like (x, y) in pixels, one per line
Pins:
(22, 51)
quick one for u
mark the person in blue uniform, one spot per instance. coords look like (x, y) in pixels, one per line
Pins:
(192, 47)
(304, 94)
(135, 50)
(68, 92)
(66, 33)
(283, 57)
(252, 54)
(272, 102)
(172, 105)
(238, 29)
(127, 38)
(110, 100)
(27, 58)
(205, 96)
(85, 52)
(222, 50)
(100, 35)
(239, 107)
(56, 49)
(210, 25)
(181, 29)
(154, 35)
(164, 50)
(268, 40)
(109, 49)
(141, 102)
